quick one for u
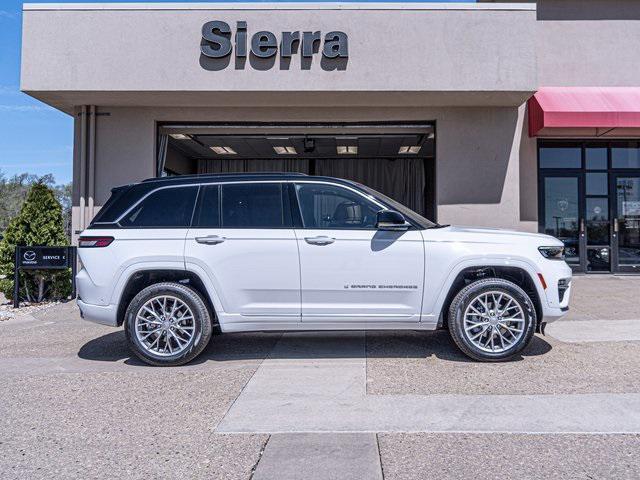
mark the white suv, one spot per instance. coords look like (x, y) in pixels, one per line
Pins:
(174, 258)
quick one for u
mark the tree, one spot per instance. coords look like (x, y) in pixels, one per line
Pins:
(40, 222)
(13, 192)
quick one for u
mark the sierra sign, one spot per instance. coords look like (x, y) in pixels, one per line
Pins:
(216, 42)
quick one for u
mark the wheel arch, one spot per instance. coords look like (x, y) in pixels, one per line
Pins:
(141, 279)
(515, 274)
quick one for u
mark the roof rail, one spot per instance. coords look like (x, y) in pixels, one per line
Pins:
(217, 175)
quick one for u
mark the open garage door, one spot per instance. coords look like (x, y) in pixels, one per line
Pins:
(397, 160)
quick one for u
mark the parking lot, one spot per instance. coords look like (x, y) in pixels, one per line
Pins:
(393, 405)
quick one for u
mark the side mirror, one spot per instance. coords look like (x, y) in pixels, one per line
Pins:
(391, 220)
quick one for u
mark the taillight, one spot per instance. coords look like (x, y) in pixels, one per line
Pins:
(94, 242)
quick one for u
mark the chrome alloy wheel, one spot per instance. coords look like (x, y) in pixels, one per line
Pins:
(494, 322)
(164, 325)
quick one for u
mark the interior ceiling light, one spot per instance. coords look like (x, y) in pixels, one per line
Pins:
(223, 150)
(285, 150)
(179, 136)
(347, 149)
(309, 145)
(407, 149)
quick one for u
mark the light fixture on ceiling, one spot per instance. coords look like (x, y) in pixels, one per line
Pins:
(410, 149)
(223, 150)
(179, 136)
(285, 150)
(347, 149)
(309, 145)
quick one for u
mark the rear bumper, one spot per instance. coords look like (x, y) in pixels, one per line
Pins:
(102, 314)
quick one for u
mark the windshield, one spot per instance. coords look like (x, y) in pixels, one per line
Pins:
(407, 212)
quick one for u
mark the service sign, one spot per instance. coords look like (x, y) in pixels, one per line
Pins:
(43, 258)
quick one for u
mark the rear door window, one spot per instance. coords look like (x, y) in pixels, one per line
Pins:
(208, 209)
(254, 205)
(165, 208)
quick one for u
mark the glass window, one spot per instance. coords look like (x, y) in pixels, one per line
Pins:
(560, 157)
(333, 207)
(597, 221)
(597, 209)
(596, 158)
(208, 209)
(165, 208)
(597, 184)
(625, 157)
(253, 205)
(561, 213)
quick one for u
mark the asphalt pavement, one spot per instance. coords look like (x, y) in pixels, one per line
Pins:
(392, 405)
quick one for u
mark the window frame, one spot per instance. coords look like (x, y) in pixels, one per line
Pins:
(291, 204)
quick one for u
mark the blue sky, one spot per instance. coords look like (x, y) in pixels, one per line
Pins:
(34, 138)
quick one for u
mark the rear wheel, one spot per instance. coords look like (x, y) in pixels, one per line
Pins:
(167, 324)
(492, 319)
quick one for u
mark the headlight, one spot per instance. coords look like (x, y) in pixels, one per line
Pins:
(552, 253)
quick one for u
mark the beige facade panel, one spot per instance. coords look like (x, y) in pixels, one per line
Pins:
(118, 52)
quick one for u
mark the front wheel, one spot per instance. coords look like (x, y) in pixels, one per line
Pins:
(167, 324)
(492, 319)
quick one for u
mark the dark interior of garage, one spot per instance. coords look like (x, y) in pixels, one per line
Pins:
(397, 160)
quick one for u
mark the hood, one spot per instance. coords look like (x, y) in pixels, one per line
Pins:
(539, 237)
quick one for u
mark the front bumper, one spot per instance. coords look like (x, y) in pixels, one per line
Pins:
(102, 314)
(558, 279)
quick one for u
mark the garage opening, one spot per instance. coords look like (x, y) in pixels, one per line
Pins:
(395, 159)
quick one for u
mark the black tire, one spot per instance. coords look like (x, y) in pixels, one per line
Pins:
(467, 295)
(202, 324)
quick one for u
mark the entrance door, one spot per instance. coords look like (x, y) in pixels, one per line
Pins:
(626, 222)
(562, 214)
(575, 209)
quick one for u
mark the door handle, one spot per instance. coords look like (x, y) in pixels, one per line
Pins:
(210, 240)
(582, 229)
(322, 240)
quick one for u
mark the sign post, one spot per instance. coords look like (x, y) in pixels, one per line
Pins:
(43, 258)
(16, 281)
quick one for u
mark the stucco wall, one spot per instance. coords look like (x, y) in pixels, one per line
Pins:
(477, 151)
(588, 42)
(417, 48)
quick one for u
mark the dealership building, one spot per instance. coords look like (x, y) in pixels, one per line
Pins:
(511, 115)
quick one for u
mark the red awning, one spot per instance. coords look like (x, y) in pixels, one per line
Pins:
(599, 108)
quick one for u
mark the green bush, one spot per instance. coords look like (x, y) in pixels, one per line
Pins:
(39, 223)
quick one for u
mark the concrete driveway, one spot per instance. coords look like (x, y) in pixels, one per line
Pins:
(393, 405)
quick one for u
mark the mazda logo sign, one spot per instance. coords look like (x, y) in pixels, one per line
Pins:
(29, 255)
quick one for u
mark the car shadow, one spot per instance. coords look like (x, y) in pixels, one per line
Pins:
(113, 347)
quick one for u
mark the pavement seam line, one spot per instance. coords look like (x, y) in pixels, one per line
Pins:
(366, 364)
(260, 453)
(379, 455)
(246, 383)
